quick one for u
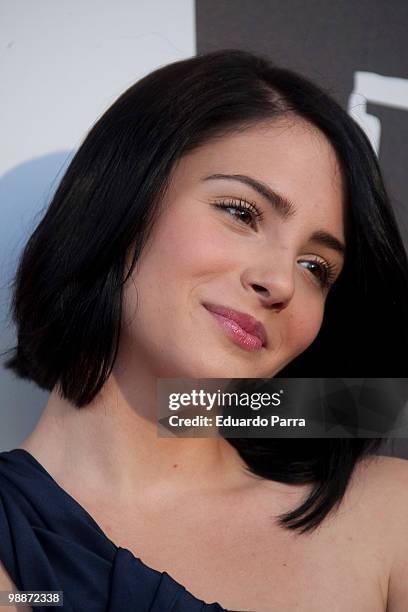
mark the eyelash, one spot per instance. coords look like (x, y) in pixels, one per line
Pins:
(241, 204)
(329, 271)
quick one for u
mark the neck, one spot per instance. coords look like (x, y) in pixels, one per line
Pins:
(112, 445)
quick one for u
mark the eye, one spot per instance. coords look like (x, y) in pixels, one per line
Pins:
(322, 270)
(244, 211)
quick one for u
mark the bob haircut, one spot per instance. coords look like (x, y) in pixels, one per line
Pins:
(68, 289)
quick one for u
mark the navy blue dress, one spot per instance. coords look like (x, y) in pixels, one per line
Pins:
(49, 542)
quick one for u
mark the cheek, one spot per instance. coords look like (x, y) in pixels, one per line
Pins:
(186, 251)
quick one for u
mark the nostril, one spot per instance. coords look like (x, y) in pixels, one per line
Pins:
(277, 306)
(260, 289)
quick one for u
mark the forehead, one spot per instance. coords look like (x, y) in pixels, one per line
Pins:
(289, 154)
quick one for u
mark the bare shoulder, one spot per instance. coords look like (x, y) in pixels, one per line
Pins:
(6, 584)
(385, 463)
(383, 484)
(380, 472)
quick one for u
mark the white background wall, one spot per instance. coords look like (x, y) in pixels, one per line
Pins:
(61, 65)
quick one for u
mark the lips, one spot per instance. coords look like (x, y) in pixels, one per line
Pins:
(245, 321)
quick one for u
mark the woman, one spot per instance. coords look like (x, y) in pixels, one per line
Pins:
(217, 184)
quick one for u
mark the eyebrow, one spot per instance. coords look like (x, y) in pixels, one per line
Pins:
(282, 205)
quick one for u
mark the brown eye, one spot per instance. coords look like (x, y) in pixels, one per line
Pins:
(243, 215)
(244, 211)
(322, 270)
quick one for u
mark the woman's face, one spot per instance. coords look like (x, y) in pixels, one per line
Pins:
(222, 251)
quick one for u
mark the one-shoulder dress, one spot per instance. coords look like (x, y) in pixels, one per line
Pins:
(49, 542)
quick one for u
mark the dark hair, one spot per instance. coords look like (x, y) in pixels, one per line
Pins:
(67, 299)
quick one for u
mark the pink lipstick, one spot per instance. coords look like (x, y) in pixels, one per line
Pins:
(243, 329)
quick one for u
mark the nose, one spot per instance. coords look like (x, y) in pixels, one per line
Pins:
(273, 288)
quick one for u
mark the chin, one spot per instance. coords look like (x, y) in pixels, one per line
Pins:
(227, 368)
(213, 362)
